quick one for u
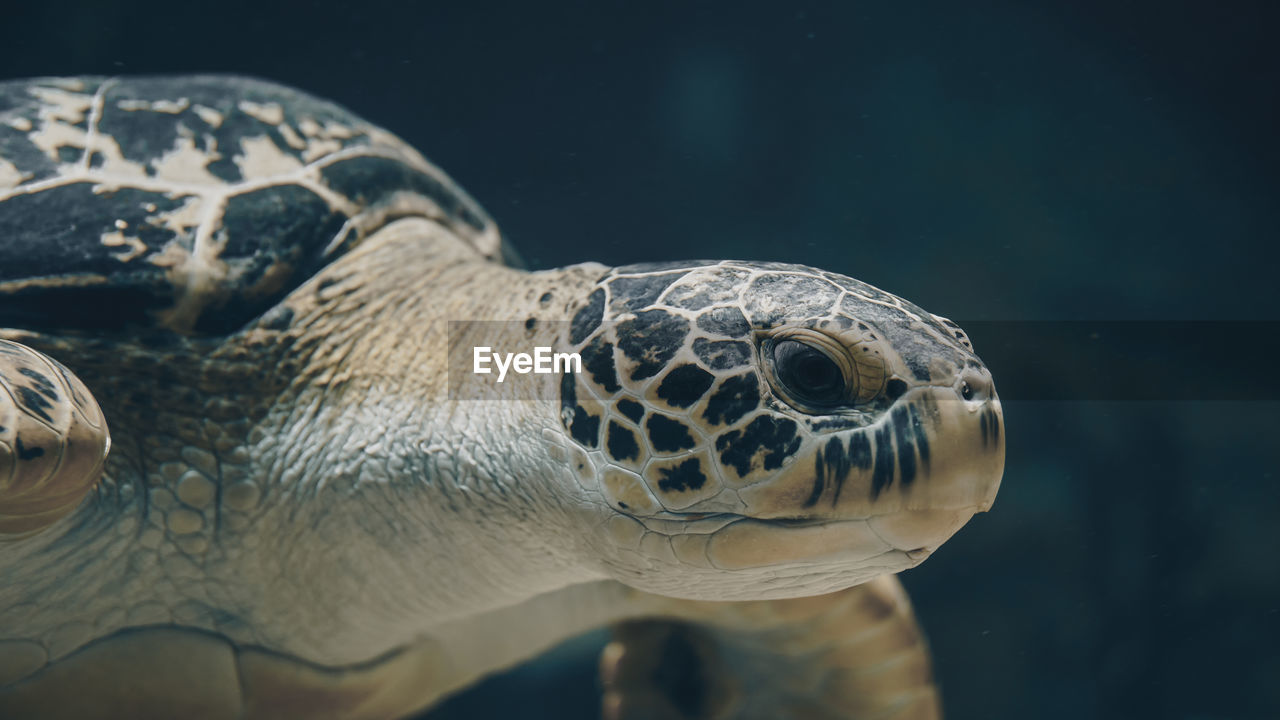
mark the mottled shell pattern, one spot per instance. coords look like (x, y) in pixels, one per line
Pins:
(192, 204)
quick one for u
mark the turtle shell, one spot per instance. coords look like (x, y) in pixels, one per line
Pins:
(193, 204)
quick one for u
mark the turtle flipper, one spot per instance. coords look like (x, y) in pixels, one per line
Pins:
(858, 653)
(53, 441)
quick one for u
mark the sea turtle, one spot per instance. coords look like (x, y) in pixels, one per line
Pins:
(315, 506)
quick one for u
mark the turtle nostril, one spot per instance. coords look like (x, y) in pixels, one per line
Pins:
(975, 386)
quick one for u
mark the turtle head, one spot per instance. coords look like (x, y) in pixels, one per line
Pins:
(765, 430)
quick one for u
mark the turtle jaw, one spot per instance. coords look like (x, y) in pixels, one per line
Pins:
(825, 541)
(932, 450)
(734, 542)
(743, 558)
(725, 557)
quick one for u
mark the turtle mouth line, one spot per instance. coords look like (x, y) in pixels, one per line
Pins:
(909, 531)
(721, 519)
(782, 521)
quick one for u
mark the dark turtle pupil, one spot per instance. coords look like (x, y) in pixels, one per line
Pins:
(807, 373)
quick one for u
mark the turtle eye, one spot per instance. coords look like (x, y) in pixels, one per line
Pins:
(808, 374)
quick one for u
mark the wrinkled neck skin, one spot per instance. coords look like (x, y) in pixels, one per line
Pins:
(398, 508)
(358, 509)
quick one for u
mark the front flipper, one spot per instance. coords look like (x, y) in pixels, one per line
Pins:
(53, 441)
(858, 653)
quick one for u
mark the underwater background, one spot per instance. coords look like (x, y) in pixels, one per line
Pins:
(1089, 188)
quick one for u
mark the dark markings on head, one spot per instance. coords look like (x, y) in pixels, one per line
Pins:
(583, 426)
(902, 325)
(651, 339)
(632, 409)
(530, 323)
(545, 300)
(859, 454)
(894, 389)
(685, 476)
(726, 321)
(568, 394)
(922, 437)
(597, 359)
(629, 294)
(735, 397)
(903, 437)
(684, 385)
(586, 320)
(28, 453)
(771, 438)
(668, 434)
(986, 433)
(835, 462)
(722, 354)
(882, 469)
(820, 467)
(622, 443)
